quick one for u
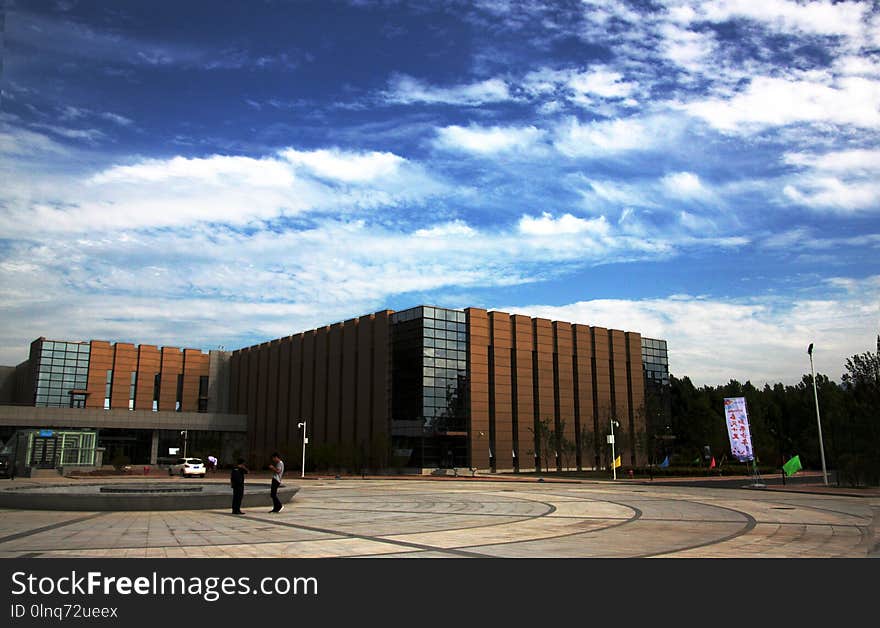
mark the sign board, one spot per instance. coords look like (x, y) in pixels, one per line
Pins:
(46, 433)
(610, 439)
(737, 418)
(306, 440)
(173, 451)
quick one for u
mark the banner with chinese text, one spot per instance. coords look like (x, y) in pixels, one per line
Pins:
(738, 428)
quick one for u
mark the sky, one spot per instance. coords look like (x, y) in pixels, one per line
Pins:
(210, 174)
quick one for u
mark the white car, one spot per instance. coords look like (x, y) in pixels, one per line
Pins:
(187, 467)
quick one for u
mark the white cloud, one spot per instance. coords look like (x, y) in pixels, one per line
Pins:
(547, 225)
(754, 338)
(212, 284)
(405, 89)
(454, 229)
(216, 169)
(811, 97)
(685, 185)
(820, 17)
(89, 135)
(696, 223)
(601, 82)
(116, 118)
(580, 87)
(488, 140)
(20, 142)
(847, 180)
(614, 192)
(232, 190)
(689, 49)
(574, 139)
(346, 166)
(854, 160)
(835, 193)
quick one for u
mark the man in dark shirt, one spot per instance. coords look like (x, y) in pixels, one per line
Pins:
(236, 479)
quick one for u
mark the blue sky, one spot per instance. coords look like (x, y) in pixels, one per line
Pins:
(207, 174)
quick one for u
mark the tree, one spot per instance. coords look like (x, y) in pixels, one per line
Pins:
(545, 442)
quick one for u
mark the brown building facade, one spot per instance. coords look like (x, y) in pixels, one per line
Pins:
(123, 376)
(432, 387)
(426, 387)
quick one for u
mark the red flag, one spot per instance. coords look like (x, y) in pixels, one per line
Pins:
(712, 464)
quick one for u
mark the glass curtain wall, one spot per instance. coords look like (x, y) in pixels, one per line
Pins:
(429, 388)
(62, 367)
(658, 409)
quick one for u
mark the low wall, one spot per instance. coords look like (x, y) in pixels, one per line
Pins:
(89, 497)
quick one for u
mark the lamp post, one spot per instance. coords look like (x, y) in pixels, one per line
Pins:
(183, 433)
(611, 440)
(302, 424)
(818, 420)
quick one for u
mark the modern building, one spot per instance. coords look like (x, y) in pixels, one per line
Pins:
(430, 387)
(142, 401)
(423, 388)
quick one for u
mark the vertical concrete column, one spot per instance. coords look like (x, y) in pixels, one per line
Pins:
(478, 360)
(545, 406)
(154, 448)
(124, 364)
(501, 409)
(564, 389)
(348, 390)
(100, 361)
(334, 391)
(636, 379)
(381, 387)
(620, 388)
(602, 389)
(586, 435)
(523, 343)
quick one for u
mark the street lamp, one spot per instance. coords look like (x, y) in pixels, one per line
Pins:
(611, 440)
(183, 433)
(818, 420)
(302, 424)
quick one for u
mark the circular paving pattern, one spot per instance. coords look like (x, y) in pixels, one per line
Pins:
(414, 518)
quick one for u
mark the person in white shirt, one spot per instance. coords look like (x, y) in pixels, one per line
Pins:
(277, 468)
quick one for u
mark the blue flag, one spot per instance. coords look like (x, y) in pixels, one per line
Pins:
(665, 462)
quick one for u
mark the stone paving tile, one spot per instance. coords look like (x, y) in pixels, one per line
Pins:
(424, 518)
(519, 531)
(14, 521)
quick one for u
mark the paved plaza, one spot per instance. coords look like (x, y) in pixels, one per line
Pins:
(458, 518)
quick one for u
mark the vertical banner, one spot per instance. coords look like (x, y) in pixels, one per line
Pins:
(738, 428)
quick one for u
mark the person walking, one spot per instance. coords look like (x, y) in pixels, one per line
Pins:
(277, 468)
(236, 479)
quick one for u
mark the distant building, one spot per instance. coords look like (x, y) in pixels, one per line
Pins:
(423, 388)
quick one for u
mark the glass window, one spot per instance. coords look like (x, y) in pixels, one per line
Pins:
(429, 312)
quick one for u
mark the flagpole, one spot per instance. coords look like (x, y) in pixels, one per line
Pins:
(818, 420)
(613, 459)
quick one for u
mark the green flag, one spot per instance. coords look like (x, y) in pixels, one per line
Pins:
(792, 466)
